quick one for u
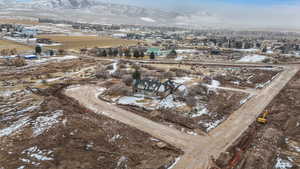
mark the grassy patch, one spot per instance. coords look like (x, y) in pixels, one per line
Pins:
(6, 44)
(78, 42)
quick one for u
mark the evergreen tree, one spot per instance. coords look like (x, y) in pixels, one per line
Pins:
(127, 53)
(142, 54)
(38, 50)
(172, 54)
(110, 52)
(51, 52)
(104, 54)
(136, 75)
(152, 56)
(136, 54)
(115, 52)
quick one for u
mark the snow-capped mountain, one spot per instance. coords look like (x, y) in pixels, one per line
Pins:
(94, 11)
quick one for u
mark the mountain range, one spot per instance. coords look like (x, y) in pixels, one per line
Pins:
(96, 11)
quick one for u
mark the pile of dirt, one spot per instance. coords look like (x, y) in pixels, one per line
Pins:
(79, 138)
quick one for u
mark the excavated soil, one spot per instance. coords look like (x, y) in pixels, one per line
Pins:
(79, 138)
(275, 144)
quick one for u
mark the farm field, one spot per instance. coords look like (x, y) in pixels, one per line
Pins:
(18, 21)
(6, 44)
(78, 42)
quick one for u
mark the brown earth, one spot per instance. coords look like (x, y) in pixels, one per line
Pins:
(250, 78)
(262, 144)
(79, 42)
(82, 139)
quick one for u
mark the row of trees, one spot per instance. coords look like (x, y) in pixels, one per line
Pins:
(137, 53)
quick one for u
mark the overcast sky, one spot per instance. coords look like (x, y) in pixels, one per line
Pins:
(262, 13)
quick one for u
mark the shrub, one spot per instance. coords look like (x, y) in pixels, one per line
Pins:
(101, 73)
(191, 101)
(119, 90)
(127, 79)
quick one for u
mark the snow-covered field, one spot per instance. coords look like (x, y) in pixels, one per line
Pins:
(253, 58)
(148, 19)
(247, 50)
(48, 59)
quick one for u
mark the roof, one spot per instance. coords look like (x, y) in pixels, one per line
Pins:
(153, 50)
(30, 56)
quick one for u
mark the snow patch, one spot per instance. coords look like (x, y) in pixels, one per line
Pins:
(44, 123)
(37, 154)
(182, 80)
(211, 125)
(283, 164)
(147, 19)
(246, 99)
(201, 110)
(173, 165)
(14, 127)
(252, 58)
(115, 68)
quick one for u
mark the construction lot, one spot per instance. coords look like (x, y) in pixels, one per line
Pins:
(81, 112)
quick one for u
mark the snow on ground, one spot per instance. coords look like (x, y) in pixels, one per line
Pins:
(201, 110)
(12, 114)
(180, 57)
(48, 59)
(44, 123)
(246, 99)
(211, 125)
(16, 126)
(247, 50)
(213, 86)
(147, 19)
(169, 102)
(182, 80)
(115, 68)
(253, 58)
(150, 104)
(53, 44)
(7, 93)
(175, 162)
(283, 164)
(100, 90)
(34, 154)
(20, 40)
(8, 57)
(182, 51)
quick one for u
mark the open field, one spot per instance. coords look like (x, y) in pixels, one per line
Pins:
(18, 21)
(79, 42)
(7, 44)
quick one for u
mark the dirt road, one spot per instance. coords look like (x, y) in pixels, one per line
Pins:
(198, 149)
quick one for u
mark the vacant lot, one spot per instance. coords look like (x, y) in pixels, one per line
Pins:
(78, 42)
(6, 44)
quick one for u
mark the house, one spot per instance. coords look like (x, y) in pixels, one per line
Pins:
(156, 51)
(44, 41)
(30, 57)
